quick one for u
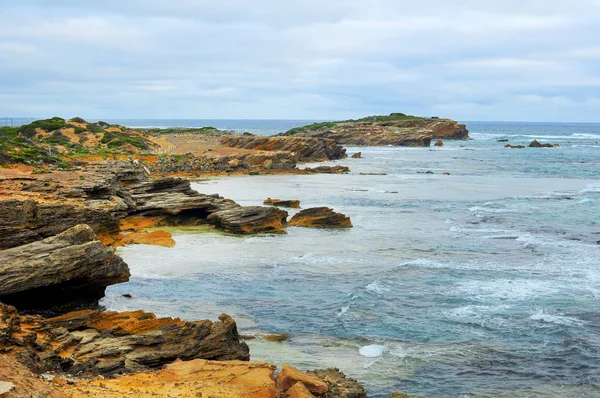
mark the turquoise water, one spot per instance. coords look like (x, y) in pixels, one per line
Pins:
(481, 283)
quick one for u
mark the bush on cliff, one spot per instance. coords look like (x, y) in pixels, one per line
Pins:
(78, 119)
(114, 139)
(15, 148)
(55, 123)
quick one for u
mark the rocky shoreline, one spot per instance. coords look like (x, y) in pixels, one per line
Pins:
(58, 234)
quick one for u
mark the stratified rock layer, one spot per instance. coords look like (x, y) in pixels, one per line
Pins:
(339, 386)
(108, 343)
(250, 220)
(72, 266)
(306, 149)
(320, 217)
(415, 132)
(292, 203)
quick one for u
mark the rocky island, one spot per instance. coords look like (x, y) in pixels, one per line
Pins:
(396, 129)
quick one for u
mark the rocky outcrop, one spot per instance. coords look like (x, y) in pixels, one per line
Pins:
(235, 162)
(155, 238)
(395, 130)
(293, 203)
(289, 375)
(439, 143)
(327, 170)
(338, 385)
(250, 220)
(357, 155)
(71, 267)
(306, 149)
(536, 144)
(320, 217)
(107, 343)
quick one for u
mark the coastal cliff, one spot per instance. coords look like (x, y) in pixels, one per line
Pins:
(396, 129)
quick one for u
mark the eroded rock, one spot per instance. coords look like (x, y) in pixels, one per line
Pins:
(107, 343)
(69, 268)
(250, 220)
(289, 375)
(320, 217)
(338, 385)
(295, 204)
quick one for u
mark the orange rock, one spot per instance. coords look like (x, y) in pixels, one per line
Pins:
(289, 376)
(197, 378)
(320, 217)
(17, 381)
(137, 223)
(156, 238)
(439, 143)
(298, 390)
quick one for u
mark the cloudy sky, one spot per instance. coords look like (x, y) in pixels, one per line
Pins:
(521, 60)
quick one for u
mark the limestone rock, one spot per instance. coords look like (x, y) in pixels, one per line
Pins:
(107, 343)
(357, 155)
(320, 217)
(295, 204)
(439, 143)
(289, 375)
(72, 266)
(250, 220)
(306, 149)
(339, 386)
(298, 390)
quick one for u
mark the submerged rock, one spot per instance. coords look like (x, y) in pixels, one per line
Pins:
(250, 220)
(514, 146)
(280, 337)
(439, 143)
(295, 204)
(70, 268)
(357, 155)
(327, 170)
(107, 343)
(320, 217)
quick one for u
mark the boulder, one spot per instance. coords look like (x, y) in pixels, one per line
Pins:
(295, 204)
(107, 343)
(439, 143)
(338, 385)
(357, 155)
(320, 217)
(298, 390)
(289, 375)
(250, 220)
(70, 268)
(536, 144)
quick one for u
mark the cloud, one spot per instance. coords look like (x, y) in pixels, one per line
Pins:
(466, 59)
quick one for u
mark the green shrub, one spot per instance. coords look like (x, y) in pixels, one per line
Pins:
(57, 138)
(94, 128)
(49, 125)
(77, 119)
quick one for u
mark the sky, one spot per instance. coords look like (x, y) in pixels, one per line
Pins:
(497, 60)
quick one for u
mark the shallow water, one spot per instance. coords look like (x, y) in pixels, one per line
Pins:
(482, 283)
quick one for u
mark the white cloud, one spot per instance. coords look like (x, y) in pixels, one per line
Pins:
(310, 59)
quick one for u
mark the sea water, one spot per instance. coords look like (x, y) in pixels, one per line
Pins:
(481, 283)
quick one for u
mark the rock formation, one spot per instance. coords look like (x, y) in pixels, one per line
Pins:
(320, 217)
(250, 220)
(294, 204)
(306, 149)
(327, 170)
(536, 144)
(107, 343)
(289, 375)
(395, 130)
(338, 385)
(439, 143)
(514, 146)
(357, 155)
(70, 267)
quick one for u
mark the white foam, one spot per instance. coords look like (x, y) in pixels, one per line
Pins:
(372, 351)
(488, 210)
(556, 319)
(594, 187)
(377, 287)
(344, 310)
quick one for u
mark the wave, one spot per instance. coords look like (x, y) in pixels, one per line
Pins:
(593, 187)
(377, 287)
(555, 319)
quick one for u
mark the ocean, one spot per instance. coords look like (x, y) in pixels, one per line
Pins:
(484, 282)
